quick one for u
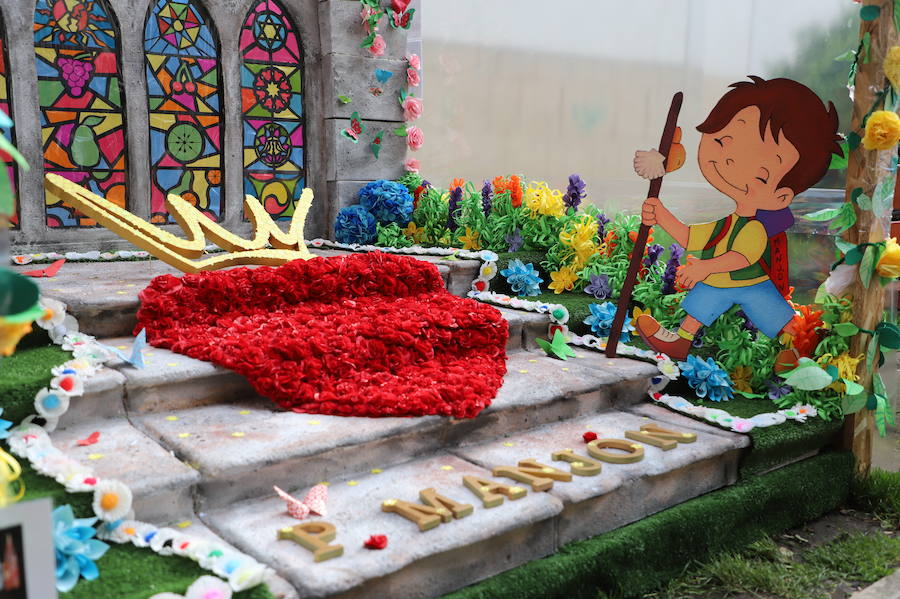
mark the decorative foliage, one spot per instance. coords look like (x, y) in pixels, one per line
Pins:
(523, 279)
(355, 224)
(387, 201)
(182, 67)
(272, 106)
(706, 378)
(76, 548)
(81, 102)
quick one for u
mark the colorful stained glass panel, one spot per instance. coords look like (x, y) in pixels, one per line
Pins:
(6, 107)
(183, 95)
(81, 102)
(272, 104)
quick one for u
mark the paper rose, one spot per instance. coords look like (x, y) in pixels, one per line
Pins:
(882, 130)
(523, 279)
(112, 500)
(205, 587)
(706, 378)
(378, 46)
(889, 264)
(412, 77)
(601, 320)
(414, 138)
(412, 165)
(355, 224)
(76, 548)
(412, 108)
(388, 201)
(414, 61)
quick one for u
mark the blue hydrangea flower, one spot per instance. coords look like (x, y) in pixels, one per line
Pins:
(388, 201)
(599, 287)
(707, 378)
(355, 224)
(76, 548)
(522, 278)
(601, 321)
(515, 240)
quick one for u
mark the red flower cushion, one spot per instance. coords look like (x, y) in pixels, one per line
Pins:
(364, 334)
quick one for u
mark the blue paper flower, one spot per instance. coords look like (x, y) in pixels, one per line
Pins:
(76, 548)
(599, 287)
(601, 321)
(777, 389)
(388, 201)
(515, 241)
(706, 378)
(355, 224)
(4, 424)
(522, 278)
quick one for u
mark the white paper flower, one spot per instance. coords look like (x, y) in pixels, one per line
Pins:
(80, 367)
(54, 313)
(840, 279)
(69, 383)
(50, 404)
(75, 340)
(93, 352)
(25, 436)
(205, 587)
(247, 576)
(143, 530)
(669, 369)
(112, 500)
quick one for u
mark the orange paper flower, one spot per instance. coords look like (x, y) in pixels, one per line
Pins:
(804, 330)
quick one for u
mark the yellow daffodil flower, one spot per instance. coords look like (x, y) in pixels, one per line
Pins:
(563, 279)
(471, 240)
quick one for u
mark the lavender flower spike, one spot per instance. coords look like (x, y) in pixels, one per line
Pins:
(453, 207)
(653, 253)
(486, 194)
(575, 192)
(602, 221)
(668, 278)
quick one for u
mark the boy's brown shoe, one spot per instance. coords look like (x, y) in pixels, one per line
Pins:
(662, 340)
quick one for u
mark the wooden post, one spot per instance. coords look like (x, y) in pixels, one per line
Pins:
(865, 168)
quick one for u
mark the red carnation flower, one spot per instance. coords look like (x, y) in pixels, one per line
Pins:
(589, 436)
(376, 542)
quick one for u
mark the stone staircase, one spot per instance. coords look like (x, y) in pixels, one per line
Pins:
(195, 444)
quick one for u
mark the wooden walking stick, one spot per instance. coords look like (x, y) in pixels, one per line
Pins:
(637, 255)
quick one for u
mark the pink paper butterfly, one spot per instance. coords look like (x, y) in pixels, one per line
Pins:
(314, 502)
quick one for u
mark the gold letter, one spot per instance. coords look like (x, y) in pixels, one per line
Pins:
(314, 536)
(425, 517)
(539, 476)
(581, 465)
(660, 437)
(491, 492)
(635, 453)
(435, 500)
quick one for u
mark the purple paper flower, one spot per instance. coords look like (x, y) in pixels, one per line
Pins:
(602, 221)
(653, 254)
(747, 326)
(777, 390)
(486, 194)
(574, 193)
(668, 284)
(452, 207)
(598, 287)
(697, 343)
(426, 184)
(515, 241)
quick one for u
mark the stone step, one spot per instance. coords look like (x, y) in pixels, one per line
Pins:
(162, 485)
(458, 553)
(245, 447)
(103, 297)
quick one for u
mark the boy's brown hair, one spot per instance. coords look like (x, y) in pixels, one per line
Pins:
(786, 107)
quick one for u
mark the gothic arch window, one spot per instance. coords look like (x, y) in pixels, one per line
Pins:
(272, 107)
(6, 107)
(183, 76)
(81, 101)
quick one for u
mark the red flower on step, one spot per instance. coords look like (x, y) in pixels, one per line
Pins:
(376, 542)
(589, 436)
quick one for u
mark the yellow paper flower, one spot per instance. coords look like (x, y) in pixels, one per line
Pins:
(892, 66)
(740, 379)
(563, 279)
(10, 334)
(846, 366)
(540, 199)
(580, 240)
(889, 264)
(417, 234)
(882, 130)
(471, 240)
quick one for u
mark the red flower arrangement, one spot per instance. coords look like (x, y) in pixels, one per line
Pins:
(805, 329)
(358, 335)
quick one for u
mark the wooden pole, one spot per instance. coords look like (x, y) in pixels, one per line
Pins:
(865, 168)
(637, 254)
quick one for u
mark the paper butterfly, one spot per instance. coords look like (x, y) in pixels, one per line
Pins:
(91, 439)
(402, 20)
(376, 91)
(383, 75)
(50, 271)
(314, 502)
(355, 129)
(375, 146)
(557, 348)
(136, 359)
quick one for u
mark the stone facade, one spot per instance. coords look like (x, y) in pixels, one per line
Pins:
(334, 64)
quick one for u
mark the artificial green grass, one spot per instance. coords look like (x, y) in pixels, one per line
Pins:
(23, 374)
(879, 493)
(640, 557)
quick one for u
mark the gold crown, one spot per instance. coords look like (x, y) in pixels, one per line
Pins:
(182, 253)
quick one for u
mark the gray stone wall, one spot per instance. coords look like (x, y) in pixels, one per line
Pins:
(334, 64)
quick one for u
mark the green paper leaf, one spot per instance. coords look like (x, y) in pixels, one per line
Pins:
(7, 204)
(897, 15)
(888, 335)
(400, 131)
(844, 220)
(840, 162)
(853, 140)
(822, 215)
(821, 295)
(558, 348)
(843, 245)
(846, 329)
(811, 378)
(853, 256)
(848, 56)
(854, 403)
(883, 197)
(878, 384)
(344, 99)
(867, 266)
(881, 415)
(867, 45)
(874, 344)
(832, 370)
(869, 12)
(368, 41)
(852, 387)
(864, 202)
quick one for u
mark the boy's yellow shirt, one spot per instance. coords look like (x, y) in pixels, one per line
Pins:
(751, 242)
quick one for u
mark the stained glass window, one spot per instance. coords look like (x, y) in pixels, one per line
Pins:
(185, 108)
(6, 107)
(82, 125)
(272, 104)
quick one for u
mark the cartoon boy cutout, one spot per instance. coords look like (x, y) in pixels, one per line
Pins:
(764, 142)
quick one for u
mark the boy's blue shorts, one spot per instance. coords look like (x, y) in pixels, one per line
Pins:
(762, 303)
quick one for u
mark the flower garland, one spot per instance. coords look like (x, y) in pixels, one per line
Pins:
(112, 499)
